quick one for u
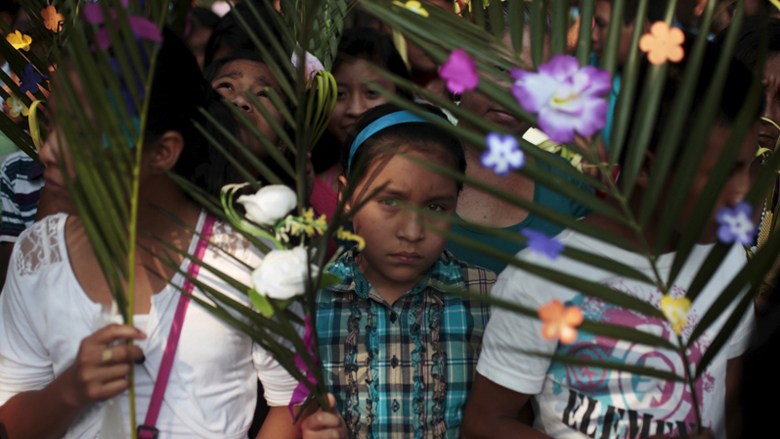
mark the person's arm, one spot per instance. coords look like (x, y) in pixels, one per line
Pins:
(278, 425)
(94, 376)
(325, 425)
(733, 408)
(492, 410)
(6, 248)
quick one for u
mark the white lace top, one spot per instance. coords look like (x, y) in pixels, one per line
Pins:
(44, 315)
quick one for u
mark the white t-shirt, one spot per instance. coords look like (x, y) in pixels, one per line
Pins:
(212, 390)
(579, 401)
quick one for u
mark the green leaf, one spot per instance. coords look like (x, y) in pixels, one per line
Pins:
(329, 279)
(560, 26)
(538, 30)
(587, 8)
(496, 13)
(517, 20)
(261, 303)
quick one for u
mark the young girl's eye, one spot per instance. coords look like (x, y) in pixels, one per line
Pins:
(389, 202)
(341, 95)
(226, 85)
(436, 207)
(373, 94)
(262, 94)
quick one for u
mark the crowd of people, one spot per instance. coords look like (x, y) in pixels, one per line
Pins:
(402, 356)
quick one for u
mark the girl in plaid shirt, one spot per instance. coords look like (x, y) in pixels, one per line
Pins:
(399, 351)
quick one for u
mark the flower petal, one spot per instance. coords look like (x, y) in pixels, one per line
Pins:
(93, 13)
(145, 28)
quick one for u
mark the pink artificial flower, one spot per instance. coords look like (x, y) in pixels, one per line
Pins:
(311, 63)
(567, 98)
(460, 72)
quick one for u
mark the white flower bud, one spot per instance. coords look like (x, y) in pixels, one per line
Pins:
(283, 274)
(269, 204)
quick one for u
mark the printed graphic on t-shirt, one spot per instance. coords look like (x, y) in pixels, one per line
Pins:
(607, 404)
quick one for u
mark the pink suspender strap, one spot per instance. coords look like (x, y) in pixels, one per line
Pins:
(147, 430)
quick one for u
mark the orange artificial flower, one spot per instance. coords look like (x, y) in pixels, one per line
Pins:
(560, 322)
(51, 19)
(663, 43)
(19, 40)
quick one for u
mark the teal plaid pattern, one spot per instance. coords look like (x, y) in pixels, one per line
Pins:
(404, 370)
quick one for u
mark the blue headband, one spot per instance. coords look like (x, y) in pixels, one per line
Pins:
(378, 125)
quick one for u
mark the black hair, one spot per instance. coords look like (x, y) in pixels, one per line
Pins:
(363, 43)
(10, 6)
(178, 89)
(228, 32)
(369, 44)
(656, 10)
(415, 136)
(750, 39)
(738, 83)
(507, 20)
(210, 74)
(204, 17)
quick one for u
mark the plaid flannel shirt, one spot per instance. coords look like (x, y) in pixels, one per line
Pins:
(402, 370)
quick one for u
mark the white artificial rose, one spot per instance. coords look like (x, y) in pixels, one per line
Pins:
(283, 274)
(269, 205)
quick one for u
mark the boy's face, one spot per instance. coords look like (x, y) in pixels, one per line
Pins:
(739, 181)
(399, 249)
(601, 18)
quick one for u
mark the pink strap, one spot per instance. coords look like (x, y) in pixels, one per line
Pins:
(173, 336)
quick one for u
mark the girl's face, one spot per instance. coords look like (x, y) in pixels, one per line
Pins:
(240, 77)
(354, 96)
(399, 249)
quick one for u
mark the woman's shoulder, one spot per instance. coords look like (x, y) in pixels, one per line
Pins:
(40, 246)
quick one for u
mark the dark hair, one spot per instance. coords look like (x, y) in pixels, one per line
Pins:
(369, 44)
(10, 6)
(750, 39)
(210, 74)
(229, 33)
(526, 16)
(419, 137)
(656, 10)
(203, 17)
(178, 89)
(738, 83)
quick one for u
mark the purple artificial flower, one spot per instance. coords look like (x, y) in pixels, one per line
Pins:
(460, 72)
(736, 224)
(567, 98)
(540, 243)
(302, 390)
(503, 154)
(30, 78)
(141, 27)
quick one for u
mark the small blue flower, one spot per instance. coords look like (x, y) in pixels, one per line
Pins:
(503, 154)
(30, 79)
(540, 243)
(736, 225)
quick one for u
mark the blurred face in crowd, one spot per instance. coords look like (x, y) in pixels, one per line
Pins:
(601, 19)
(768, 133)
(240, 77)
(417, 58)
(196, 42)
(738, 181)
(481, 106)
(355, 96)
